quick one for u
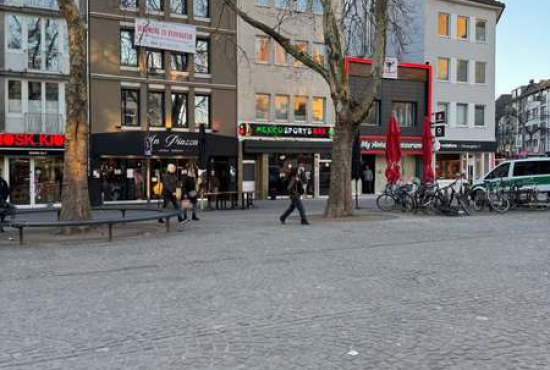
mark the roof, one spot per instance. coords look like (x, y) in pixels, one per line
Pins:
(498, 4)
(536, 87)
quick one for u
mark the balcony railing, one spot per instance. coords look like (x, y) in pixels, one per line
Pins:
(44, 123)
(44, 4)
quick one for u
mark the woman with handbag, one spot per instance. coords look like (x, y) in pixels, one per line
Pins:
(189, 193)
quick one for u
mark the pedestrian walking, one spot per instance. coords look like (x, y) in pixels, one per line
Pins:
(189, 193)
(6, 209)
(296, 190)
(368, 175)
(169, 187)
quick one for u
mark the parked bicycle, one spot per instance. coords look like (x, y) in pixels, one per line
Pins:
(396, 197)
(496, 197)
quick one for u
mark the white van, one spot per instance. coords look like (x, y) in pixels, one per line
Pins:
(528, 172)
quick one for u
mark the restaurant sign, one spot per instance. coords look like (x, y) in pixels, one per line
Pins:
(163, 143)
(32, 141)
(164, 35)
(268, 130)
(377, 145)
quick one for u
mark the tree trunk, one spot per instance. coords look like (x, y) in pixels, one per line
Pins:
(340, 202)
(75, 198)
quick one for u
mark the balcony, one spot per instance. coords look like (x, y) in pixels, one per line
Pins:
(36, 123)
(42, 4)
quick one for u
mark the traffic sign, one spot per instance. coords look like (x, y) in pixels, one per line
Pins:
(439, 131)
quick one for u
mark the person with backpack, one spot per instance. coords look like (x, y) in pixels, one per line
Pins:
(169, 187)
(296, 190)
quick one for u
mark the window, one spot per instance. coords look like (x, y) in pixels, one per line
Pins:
(130, 108)
(480, 72)
(301, 5)
(155, 108)
(202, 110)
(178, 7)
(444, 107)
(462, 28)
(179, 110)
(155, 61)
(35, 97)
(52, 98)
(201, 9)
(300, 108)
(318, 7)
(262, 49)
(202, 57)
(319, 109)
(178, 62)
(34, 42)
(51, 52)
(444, 24)
(262, 2)
(262, 106)
(319, 53)
(128, 51)
(15, 33)
(155, 5)
(499, 172)
(443, 69)
(404, 113)
(373, 118)
(282, 107)
(530, 168)
(481, 30)
(281, 4)
(129, 4)
(280, 55)
(462, 70)
(301, 46)
(462, 114)
(479, 116)
(14, 96)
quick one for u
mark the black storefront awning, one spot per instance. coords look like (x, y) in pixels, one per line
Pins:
(161, 143)
(280, 146)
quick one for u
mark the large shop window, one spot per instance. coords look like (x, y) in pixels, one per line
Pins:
(282, 108)
(202, 58)
(202, 110)
(130, 108)
(155, 108)
(178, 7)
(128, 51)
(300, 108)
(280, 166)
(262, 106)
(201, 9)
(404, 113)
(123, 180)
(448, 166)
(48, 174)
(179, 110)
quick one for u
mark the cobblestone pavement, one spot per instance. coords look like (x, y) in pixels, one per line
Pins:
(237, 290)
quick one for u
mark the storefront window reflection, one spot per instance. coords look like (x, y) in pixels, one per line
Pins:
(123, 180)
(280, 166)
(48, 179)
(448, 166)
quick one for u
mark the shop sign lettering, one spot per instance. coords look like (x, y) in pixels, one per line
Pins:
(169, 143)
(40, 141)
(285, 131)
(379, 145)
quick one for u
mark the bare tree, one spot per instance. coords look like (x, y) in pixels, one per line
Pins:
(350, 111)
(75, 198)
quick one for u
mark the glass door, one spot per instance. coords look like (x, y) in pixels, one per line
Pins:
(20, 173)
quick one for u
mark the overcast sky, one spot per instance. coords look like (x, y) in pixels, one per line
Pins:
(523, 44)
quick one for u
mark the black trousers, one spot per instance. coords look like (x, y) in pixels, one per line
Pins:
(296, 202)
(171, 198)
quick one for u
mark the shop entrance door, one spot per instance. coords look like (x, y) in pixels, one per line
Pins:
(19, 180)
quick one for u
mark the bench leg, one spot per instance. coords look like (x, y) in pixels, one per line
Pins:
(110, 232)
(21, 240)
(167, 224)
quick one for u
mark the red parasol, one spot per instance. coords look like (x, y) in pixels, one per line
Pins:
(393, 152)
(427, 151)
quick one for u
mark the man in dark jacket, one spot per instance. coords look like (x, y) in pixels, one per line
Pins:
(6, 209)
(296, 190)
(169, 186)
(189, 192)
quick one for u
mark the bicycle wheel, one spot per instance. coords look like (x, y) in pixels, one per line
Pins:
(407, 203)
(385, 202)
(499, 203)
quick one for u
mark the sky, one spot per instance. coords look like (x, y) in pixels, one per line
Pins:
(523, 44)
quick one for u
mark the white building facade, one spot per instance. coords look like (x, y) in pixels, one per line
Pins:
(34, 68)
(285, 111)
(458, 38)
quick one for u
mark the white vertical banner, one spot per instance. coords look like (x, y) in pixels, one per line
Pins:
(166, 36)
(391, 68)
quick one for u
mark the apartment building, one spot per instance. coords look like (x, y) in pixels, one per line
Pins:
(159, 71)
(523, 127)
(285, 110)
(458, 38)
(34, 67)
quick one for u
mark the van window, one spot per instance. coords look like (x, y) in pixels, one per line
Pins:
(544, 167)
(526, 169)
(499, 172)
